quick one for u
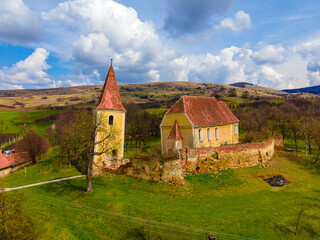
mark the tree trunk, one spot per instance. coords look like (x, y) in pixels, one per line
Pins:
(309, 145)
(89, 175)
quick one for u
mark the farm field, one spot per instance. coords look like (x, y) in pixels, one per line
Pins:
(234, 204)
(13, 121)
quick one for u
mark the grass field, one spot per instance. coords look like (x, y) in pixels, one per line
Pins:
(52, 165)
(13, 121)
(235, 204)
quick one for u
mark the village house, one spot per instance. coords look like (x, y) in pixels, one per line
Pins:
(198, 122)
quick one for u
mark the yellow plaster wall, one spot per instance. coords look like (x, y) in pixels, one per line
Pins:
(224, 136)
(235, 135)
(180, 117)
(185, 128)
(119, 118)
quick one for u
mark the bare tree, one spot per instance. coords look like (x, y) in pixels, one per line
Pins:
(35, 145)
(78, 138)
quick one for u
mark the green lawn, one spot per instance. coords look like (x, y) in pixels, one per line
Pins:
(14, 120)
(51, 169)
(235, 204)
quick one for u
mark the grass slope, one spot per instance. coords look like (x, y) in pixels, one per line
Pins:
(234, 204)
(14, 120)
(50, 165)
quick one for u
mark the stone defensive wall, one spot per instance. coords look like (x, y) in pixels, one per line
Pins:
(204, 160)
(196, 160)
(148, 168)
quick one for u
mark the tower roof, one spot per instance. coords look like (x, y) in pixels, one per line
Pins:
(203, 111)
(110, 96)
(174, 132)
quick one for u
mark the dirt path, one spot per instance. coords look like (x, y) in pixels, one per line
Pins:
(40, 183)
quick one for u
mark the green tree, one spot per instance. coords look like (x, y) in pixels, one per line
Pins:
(14, 223)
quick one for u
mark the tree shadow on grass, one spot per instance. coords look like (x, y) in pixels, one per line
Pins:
(303, 162)
(67, 187)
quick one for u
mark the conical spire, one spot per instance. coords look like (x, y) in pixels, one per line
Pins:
(174, 132)
(110, 96)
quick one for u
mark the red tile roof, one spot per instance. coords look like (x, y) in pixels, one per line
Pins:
(4, 162)
(18, 158)
(110, 96)
(13, 159)
(204, 111)
(174, 132)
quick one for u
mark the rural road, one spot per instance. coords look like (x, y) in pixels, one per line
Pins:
(40, 183)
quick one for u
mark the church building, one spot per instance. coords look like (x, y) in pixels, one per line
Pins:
(198, 122)
(111, 114)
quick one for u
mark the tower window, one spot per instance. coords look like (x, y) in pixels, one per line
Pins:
(235, 129)
(200, 135)
(114, 152)
(111, 120)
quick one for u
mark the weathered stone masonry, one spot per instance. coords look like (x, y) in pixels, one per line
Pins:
(232, 156)
(196, 160)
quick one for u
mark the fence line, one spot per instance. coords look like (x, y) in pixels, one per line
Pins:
(10, 141)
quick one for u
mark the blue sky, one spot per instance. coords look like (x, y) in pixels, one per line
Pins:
(57, 43)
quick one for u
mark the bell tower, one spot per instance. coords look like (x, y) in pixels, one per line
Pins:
(111, 114)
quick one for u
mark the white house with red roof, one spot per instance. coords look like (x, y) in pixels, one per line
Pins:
(198, 122)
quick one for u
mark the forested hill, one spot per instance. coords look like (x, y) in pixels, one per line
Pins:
(313, 90)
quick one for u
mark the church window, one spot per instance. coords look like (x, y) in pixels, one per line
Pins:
(235, 129)
(111, 120)
(114, 152)
(208, 134)
(216, 133)
(200, 135)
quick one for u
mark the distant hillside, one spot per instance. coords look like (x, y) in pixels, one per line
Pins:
(313, 90)
(157, 94)
(241, 84)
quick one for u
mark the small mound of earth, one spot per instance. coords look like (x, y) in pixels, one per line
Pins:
(277, 181)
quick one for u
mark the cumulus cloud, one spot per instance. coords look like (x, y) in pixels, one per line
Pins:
(189, 16)
(92, 49)
(240, 22)
(231, 65)
(27, 72)
(17, 23)
(310, 51)
(104, 29)
(270, 54)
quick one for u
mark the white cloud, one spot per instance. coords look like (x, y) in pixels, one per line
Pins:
(17, 23)
(104, 29)
(240, 22)
(310, 51)
(27, 72)
(93, 49)
(230, 65)
(270, 54)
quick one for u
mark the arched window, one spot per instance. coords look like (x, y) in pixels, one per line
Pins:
(208, 134)
(235, 128)
(200, 135)
(216, 132)
(111, 120)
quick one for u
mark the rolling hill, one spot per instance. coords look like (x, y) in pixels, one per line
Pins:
(313, 90)
(142, 93)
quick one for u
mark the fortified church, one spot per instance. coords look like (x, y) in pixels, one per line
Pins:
(192, 122)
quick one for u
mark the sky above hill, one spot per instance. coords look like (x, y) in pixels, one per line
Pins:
(57, 43)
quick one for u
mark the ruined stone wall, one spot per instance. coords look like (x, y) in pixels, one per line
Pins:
(278, 142)
(170, 171)
(203, 160)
